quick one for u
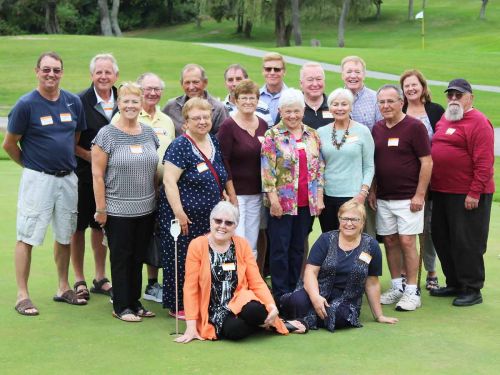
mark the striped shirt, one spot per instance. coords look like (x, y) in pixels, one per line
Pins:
(365, 108)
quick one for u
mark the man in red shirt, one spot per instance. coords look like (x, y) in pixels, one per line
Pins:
(462, 185)
(403, 167)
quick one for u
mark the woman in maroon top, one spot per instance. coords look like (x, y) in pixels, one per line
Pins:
(240, 137)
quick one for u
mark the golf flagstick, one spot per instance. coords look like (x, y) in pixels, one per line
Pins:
(175, 231)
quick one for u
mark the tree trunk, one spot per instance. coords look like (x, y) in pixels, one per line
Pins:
(410, 10)
(282, 39)
(297, 35)
(51, 23)
(342, 21)
(482, 13)
(114, 18)
(378, 5)
(247, 30)
(170, 11)
(105, 21)
(239, 23)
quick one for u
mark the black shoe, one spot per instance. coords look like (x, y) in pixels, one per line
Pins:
(446, 291)
(468, 299)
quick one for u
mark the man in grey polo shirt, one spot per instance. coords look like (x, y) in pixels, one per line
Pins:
(194, 82)
(42, 131)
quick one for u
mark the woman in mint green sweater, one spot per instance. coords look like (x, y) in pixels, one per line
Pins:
(347, 148)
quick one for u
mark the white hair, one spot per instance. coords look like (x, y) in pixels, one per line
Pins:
(103, 56)
(340, 93)
(227, 208)
(290, 97)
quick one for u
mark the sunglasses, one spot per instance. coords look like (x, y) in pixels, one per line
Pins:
(458, 95)
(270, 69)
(227, 223)
(47, 70)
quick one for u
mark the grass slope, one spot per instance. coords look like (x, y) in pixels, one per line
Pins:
(437, 339)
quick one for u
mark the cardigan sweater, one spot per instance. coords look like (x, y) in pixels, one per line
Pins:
(198, 280)
(434, 112)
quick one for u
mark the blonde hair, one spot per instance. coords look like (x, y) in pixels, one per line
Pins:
(355, 206)
(355, 59)
(274, 56)
(129, 88)
(195, 103)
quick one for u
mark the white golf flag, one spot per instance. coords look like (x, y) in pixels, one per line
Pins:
(419, 15)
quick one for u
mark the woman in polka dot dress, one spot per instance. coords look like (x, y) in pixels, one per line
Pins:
(194, 178)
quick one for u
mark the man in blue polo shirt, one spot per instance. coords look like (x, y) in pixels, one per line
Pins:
(42, 130)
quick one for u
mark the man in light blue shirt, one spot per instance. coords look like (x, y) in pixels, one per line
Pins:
(273, 70)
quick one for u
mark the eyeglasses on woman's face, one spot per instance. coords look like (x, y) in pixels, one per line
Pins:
(352, 220)
(227, 223)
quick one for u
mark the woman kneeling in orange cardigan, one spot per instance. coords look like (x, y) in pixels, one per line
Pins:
(224, 294)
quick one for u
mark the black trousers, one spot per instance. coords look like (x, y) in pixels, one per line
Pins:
(460, 238)
(252, 315)
(329, 216)
(128, 238)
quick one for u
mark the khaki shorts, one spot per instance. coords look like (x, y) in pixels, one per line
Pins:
(44, 198)
(394, 216)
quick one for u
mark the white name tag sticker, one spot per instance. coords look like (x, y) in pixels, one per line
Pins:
(136, 149)
(365, 257)
(202, 167)
(327, 114)
(393, 142)
(450, 131)
(301, 146)
(160, 131)
(261, 139)
(46, 120)
(228, 266)
(352, 139)
(65, 117)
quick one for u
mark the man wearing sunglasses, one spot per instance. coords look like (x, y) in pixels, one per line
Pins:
(42, 130)
(273, 70)
(463, 186)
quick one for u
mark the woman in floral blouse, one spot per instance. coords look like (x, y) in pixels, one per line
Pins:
(292, 178)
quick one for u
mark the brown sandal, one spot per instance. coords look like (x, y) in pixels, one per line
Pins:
(24, 305)
(70, 297)
(81, 292)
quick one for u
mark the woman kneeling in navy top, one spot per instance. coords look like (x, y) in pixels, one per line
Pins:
(341, 266)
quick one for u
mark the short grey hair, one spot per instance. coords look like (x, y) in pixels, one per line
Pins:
(340, 93)
(390, 86)
(290, 97)
(227, 208)
(149, 74)
(311, 64)
(191, 67)
(103, 56)
(236, 67)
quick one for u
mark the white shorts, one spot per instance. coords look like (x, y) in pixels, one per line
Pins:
(394, 216)
(264, 216)
(44, 198)
(250, 207)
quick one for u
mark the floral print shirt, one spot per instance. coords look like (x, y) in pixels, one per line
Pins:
(280, 167)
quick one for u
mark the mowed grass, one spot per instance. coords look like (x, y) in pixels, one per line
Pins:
(438, 338)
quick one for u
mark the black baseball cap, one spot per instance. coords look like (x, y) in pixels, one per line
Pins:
(459, 84)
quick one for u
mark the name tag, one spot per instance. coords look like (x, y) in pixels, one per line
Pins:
(450, 131)
(327, 114)
(365, 257)
(352, 139)
(65, 117)
(261, 139)
(229, 266)
(136, 149)
(393, 142)
(301, 146)
(202, 167)
(160, 131)
(46, 120)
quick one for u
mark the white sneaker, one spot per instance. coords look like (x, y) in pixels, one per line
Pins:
(391, 296)
(409, 302)
(154, 293)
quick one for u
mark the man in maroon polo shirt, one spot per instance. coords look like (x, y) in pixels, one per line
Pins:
(403, 168)
(462, 185)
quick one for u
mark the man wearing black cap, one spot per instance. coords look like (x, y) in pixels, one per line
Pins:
(462, 185)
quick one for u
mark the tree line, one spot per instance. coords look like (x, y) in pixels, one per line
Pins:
(110, 17)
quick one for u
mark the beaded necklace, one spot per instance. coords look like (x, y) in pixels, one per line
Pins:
(336, 144)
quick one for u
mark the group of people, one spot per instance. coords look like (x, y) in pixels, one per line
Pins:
(247, 176)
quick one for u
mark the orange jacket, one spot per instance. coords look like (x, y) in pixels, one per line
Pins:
(198, 282)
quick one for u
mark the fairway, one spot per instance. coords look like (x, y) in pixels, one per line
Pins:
(438, 338)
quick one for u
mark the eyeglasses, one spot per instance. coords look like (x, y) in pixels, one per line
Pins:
(352, 220)
(247, 98)
(47, 70)
(199, 118)
(153, 89)
(388, 101)
(270, 69)
(454, 94)
(227, 223)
